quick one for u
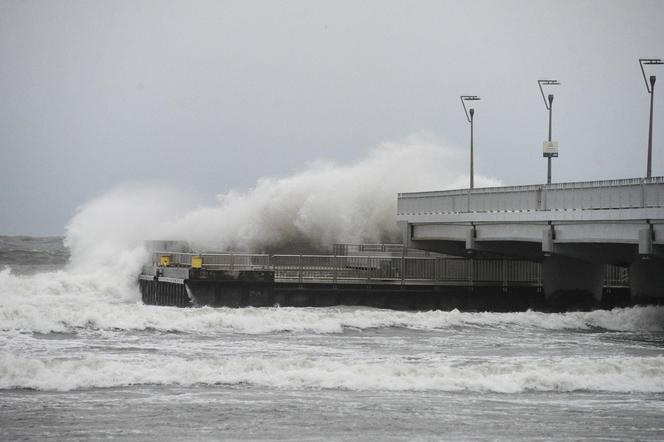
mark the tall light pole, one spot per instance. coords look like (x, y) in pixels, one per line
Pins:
(469, 116)
(651, 90)
(550, 147)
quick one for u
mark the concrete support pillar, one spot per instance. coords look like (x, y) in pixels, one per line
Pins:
(470, 239)
(404, 227)
(645, 241)
(571, 283)
(646, 277)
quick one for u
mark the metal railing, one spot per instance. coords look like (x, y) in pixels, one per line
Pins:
(379, 249)
(226, 261)
(592, 195)
(616, 276)
(352, 269)
(236, 261)
(390, 248)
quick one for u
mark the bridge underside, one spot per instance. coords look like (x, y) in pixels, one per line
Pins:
(572, 253)
(618, 243)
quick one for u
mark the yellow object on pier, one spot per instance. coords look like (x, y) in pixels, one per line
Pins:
(165, 260)
(196, 262)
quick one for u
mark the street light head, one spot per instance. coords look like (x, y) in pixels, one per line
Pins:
(465, 98)
(649, 61)
(540, 83)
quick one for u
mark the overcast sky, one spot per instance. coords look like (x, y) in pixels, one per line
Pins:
(212, 95)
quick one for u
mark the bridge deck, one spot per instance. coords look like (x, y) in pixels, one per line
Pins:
(605, 222)
(632, 193)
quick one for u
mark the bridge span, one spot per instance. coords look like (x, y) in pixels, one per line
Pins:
(572, 228)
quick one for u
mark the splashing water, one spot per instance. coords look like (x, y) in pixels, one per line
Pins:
(76, 338)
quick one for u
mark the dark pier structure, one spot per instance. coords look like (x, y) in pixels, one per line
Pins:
(374, 275)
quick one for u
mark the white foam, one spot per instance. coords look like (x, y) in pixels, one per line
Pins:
(62, 301)
(505, 375)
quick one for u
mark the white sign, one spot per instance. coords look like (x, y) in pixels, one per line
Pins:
(550, 148)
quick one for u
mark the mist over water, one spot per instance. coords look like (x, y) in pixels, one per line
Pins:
(75, 337)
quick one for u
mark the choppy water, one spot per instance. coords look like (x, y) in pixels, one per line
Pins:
(80, 358)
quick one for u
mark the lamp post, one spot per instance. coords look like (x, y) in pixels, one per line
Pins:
(550, 147)
(651, 90)
(469, 116)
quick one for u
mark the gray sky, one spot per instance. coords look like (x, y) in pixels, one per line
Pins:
(212, 95)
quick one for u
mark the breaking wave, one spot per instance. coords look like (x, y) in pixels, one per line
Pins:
(70, 307)
(507, 375)
(321, 205)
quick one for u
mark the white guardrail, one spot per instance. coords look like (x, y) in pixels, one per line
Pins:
(376, 269)
(590, 195)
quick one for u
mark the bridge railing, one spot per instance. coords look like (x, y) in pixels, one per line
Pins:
(591, 195)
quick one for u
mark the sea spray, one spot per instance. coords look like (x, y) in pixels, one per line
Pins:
(321, 205)
(325, 203)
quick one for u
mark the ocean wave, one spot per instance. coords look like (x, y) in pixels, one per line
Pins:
(512, 375)
(69, 317)
(65, 300)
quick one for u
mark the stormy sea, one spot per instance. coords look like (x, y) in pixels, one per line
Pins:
(82, 358)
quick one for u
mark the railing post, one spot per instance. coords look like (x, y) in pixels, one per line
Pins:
(299, 273)
(403, 265)
(232, 263)
(539, 274)
(504, 274)
(334, 269)
(539, 199)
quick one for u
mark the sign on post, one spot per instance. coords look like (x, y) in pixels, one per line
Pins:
(550, 149)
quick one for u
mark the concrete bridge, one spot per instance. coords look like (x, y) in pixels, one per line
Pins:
(572, 228)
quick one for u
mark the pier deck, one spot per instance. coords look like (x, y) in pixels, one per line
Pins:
(406, 282)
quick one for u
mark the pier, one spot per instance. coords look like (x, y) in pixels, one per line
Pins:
(550, 247)
(375, 275)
